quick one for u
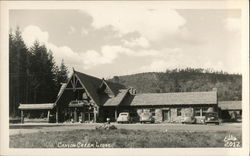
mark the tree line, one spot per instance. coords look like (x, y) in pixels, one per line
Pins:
(229, 86)
(33, 75)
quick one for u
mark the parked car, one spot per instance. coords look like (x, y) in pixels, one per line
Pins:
(146, 117)
(123, 117)
(212, 117)
(188, 120)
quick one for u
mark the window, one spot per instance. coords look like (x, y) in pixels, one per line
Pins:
(204, 111)
(178, 111)
(152, 111)
(197, 111)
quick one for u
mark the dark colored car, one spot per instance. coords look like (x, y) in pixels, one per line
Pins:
(212, 117)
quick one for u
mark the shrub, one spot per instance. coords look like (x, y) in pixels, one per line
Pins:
(105, 126)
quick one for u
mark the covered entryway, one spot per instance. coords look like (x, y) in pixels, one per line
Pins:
(165, 115)
(75, 103)
(37, 112)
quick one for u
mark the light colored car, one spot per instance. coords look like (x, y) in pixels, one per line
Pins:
(188, 120)
(123, 117)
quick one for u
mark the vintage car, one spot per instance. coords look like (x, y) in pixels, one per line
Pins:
(146, 117)
(123, 117)
(212, 117)
(188, 120)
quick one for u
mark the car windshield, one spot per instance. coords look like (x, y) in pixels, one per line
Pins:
(124, 114)
(211, 114)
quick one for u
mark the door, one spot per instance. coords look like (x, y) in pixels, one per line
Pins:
(165, 115)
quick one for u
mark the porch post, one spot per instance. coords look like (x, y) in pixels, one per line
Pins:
(56, 114)
(48, 115)
(22, 117)
(75, 115)
(94, 114)
(115, 114)
(83, 115)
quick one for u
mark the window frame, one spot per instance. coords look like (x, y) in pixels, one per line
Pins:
(179, 112)
(152, 111)
(204, 111)
(197, 110)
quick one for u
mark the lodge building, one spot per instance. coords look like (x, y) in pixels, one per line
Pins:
(85, 98)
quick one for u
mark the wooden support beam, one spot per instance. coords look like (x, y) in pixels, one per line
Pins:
(75, 116)
(83, 116)
(115, 114)
(94, 110)
(22, 117)
(48, 115)
(56, 114)
(78, 88)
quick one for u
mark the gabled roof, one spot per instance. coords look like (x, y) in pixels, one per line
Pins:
(115, 87)
(230, 105)
(115, 101)
(180, 98)
(36, 106)
(91, 84)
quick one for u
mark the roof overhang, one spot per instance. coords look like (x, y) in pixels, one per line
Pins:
(230, 105)
(46, 106)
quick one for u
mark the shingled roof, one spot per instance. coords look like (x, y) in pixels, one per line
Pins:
(91, 84)
(180, 98)
(115, 87)
(115, 101)
(230, 105)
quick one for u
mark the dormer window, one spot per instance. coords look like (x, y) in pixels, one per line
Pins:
(132, 91)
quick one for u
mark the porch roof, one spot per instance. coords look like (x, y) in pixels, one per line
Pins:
(36, 106)
(230, 105)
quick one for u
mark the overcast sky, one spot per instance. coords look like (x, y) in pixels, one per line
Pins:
(107, 41)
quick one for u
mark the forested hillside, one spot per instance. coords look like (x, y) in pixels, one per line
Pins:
(185, 80)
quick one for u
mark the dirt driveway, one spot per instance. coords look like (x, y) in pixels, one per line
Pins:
(33, 128)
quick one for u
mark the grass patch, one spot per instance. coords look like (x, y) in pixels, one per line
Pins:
(119, 138)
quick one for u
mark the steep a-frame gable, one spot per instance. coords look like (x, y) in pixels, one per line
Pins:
(81, 81)
(92, 86)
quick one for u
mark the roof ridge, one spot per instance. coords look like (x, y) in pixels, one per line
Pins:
(178, 92)
(88, 75)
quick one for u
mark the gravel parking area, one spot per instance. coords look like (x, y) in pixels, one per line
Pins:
(33, 128)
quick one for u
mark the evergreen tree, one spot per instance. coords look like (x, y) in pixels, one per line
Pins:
(62, 74)
(18, 56)
(33, 75)
(42, 69)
